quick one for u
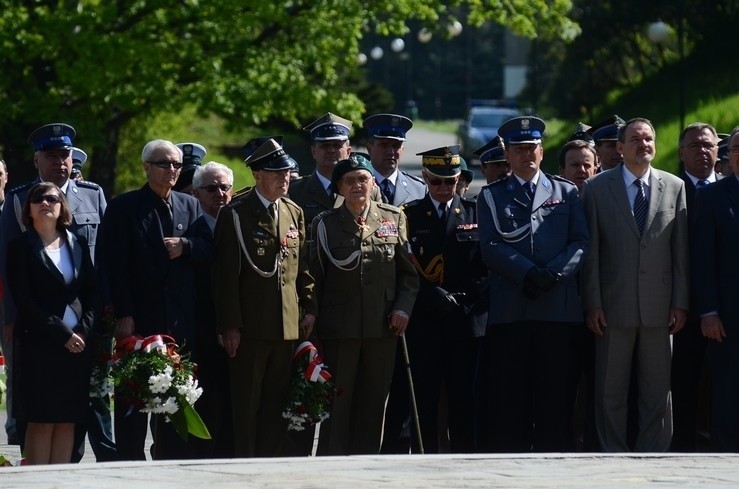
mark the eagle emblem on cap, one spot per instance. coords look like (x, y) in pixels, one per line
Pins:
(525, 123)
(57, 129)
(447, 156)
(188, 149)
(395, 121)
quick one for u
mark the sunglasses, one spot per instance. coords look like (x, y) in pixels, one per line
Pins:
(166, 164)
(223, 187)
(48, 198)
(438, 181)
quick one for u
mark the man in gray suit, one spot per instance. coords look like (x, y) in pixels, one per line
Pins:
(635, 287)
(386, 137)
(532, 236)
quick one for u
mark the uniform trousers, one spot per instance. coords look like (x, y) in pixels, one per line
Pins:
(688, 355)
(614, 352)
(724, 363)
(362, 370)
(529, 375)
(260, 384)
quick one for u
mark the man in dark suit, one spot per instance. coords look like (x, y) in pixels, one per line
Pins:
(262, 295)
(698, 153)
(52, 144)
(450, 314)
(532, 236)
(635, 288)
(385, 146)
(715, 235)
(142, 247)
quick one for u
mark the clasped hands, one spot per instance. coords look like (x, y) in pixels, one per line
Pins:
(539, 280)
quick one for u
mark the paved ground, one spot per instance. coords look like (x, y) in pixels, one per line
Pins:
(401, 471)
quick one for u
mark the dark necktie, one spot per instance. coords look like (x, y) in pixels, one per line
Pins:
(388, 190)
(530, 190)
(442, 211)
(640, 206)
(166, 217)
(272, 211)
(702, 183)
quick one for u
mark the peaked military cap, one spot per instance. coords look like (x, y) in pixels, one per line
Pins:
(465, 173)
(723, 147)
(79, 157)
(606, 130)
(270, 157)
(345, 166)
(251, 145)
(581, 134)
(522, 130)
(492, 152)
(442, 162)
(52, 136)
(192, 154)
(388, 126)
(329, 127)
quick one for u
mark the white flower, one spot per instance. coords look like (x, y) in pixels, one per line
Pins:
(190, 390)
(160, 383)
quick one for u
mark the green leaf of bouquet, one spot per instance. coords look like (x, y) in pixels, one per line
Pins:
(179, 422)
(195, 425)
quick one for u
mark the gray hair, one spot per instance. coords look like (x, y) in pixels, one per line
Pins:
(211, 167)
(156, 145)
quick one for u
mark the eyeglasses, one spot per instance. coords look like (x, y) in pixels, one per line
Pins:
(695, 146)
(364, 180)
(734, 150)
(51, 199)
(438, 181)
(223, 187)
(166, 164)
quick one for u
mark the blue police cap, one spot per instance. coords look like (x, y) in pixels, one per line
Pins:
(606, 130)
(270, 157)
(442, 162)
(192, 154)
(465, 173)
(388, 126)
(723, 147)
(52, 136)
(522, 130)
(329, 127)
(345, 166)
(251, 145)
(492, 152)
(79, 157)
(582, 134)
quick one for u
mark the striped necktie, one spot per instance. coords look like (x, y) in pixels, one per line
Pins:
(640, 206)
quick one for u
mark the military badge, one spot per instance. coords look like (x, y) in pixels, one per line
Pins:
(387, 229)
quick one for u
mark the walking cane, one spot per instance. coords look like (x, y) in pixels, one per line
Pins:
(413, 391)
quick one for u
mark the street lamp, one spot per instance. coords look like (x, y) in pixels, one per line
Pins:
(376, 53)
(397, 45)
(658, 32)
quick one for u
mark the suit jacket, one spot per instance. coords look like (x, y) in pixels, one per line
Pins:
(716, 235)
(141, 279)
(636, 279)
(447, 258)
(407, 189)
(519, 234)
(261, 307)
(355, 303)
(87, 203)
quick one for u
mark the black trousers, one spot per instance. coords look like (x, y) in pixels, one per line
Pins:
(688, 355)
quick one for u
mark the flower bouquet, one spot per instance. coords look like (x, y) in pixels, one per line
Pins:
(150, 376)
(311, 389)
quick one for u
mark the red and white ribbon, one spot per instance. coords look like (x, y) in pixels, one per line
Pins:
(156, 342)
(316, 371)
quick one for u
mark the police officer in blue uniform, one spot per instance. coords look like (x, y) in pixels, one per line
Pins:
(450, 314)
(192, 158)
(533, 235)
(493, 164)
(385, 146)
(53, 144)
(605, 135)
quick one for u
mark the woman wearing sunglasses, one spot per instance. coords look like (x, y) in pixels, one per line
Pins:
(51, 279)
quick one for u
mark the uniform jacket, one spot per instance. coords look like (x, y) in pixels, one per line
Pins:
(715, 238)
(447, 256)
(407, 189)
(142, 281)
(87, 203)
(556, 239)
(267, 308)
(636, 279)
(356, 303)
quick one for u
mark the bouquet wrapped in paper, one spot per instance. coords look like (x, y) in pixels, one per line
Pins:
(150, 376)
(311, 389)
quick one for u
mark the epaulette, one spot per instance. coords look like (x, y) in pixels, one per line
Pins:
(85, 183)
(21, 187)
(389, 207)
(467, 201)
(560, 178)
(325, 213)
(290, 202)
(412, 203)
(240, 193)
(418, 179)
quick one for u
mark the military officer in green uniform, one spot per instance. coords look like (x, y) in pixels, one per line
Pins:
(262, 294)
(364, 290)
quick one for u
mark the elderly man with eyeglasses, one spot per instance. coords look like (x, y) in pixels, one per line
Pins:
(144, 251)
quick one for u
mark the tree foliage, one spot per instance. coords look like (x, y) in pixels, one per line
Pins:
(104, 66)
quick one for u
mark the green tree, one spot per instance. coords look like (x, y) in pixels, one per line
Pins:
(105, 65)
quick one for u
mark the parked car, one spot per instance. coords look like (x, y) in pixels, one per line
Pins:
(480, 126)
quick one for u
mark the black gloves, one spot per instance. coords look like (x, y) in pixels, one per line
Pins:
(539, 280)
(448, 302)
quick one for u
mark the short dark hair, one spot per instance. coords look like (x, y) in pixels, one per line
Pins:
(575, 144)
(65, 215)
(622, 130)
(696, 126)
